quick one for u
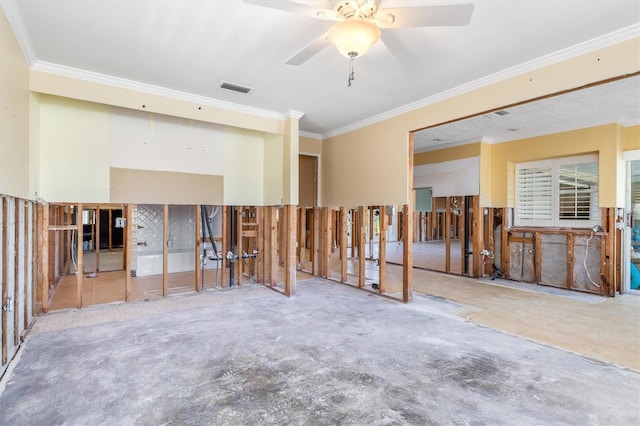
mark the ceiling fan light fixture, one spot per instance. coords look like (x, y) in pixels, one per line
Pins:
(354, 36)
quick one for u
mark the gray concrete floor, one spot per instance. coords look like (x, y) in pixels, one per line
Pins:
(332, 355)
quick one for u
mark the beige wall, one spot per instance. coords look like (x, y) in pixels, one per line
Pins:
(307, 181)
(53, 84)
(243, 167)
(81, 143)
(14, 115)
(273, 169)
(160, 187)
(310, 146)
(366, 167)
(369, 165)
(74, 151)
(603, 140)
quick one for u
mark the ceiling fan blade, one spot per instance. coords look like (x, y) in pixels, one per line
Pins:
(394, 45)
(309, 51)
(425, 16)
(313, 9)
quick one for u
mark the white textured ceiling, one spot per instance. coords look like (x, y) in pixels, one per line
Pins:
(190, 46)
(614, 102)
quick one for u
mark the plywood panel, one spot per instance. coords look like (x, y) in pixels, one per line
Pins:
(553, 257)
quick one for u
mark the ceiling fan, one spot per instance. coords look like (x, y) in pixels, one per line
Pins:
(359, 23)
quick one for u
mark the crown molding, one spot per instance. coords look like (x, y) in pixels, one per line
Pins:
(629, 122)
(16, 23)
(606, 40)
(310, 135)
(294, 114)
(123, 83)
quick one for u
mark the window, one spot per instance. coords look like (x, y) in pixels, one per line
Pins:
(561, 192)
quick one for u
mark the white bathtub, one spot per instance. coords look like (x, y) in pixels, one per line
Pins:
(150, 262)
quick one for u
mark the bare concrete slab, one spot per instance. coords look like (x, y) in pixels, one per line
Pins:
(332, 355)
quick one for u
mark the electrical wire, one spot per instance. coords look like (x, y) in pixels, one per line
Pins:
(73, 249)
(584, 261)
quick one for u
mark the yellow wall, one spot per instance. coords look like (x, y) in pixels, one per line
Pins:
(74, 151)
(631, 138)
(369, 165)
(603, 140)
(447, 154)
(14, 115)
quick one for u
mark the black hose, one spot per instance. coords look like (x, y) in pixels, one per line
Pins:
(206, 226)
(205, 220)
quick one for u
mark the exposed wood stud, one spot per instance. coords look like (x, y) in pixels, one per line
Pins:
(382, 251)
(290, 264)
(79, 257)
(463, 219)
(300, 233)
(198, 249)
(5, 275)
(343, 244)
(478, 233)
(274, 257)
(127, 250)
(354, 232)
(27, 263)
(237, 272)
(407, 256)
(570, 280)
(225, 244)
(165, 250)
(16, 272)
(538, 257)
(371, 232)
(43, 257)
(447, 233)
(362, 258)
(315, 242)
(504, 244)
(97, 240)
(260, 244)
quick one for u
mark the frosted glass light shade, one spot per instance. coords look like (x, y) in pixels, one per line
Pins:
(353, 35)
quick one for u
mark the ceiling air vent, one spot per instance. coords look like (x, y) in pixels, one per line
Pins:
(495, 114)
(234, 87)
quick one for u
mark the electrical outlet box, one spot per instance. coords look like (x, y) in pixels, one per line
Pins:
(121, 222)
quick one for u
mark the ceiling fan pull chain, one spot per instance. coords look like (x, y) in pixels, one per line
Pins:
(352, 74)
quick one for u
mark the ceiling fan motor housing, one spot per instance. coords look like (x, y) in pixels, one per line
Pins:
(364, 9)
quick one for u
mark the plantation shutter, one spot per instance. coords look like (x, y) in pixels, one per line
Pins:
(578, 192)
(534, 195)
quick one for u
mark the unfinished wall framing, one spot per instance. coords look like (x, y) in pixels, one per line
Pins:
(162, 250)
(17, 288)
(573, 259)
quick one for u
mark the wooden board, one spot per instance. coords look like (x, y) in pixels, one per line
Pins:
(198, 249)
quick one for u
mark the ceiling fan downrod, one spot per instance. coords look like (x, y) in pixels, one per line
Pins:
(352, 74)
